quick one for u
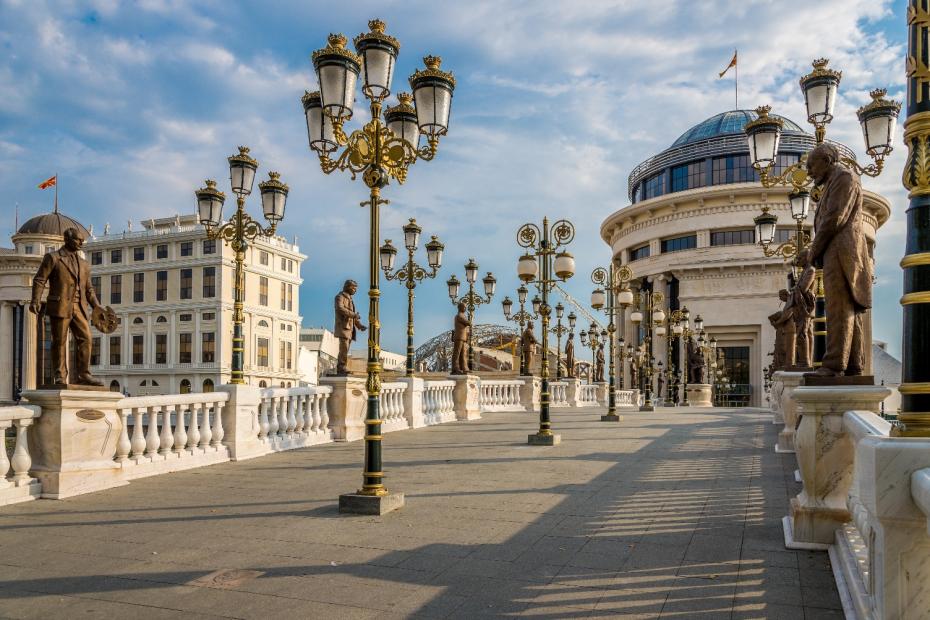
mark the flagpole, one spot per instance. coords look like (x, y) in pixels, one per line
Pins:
(735, 84)
(56, 192)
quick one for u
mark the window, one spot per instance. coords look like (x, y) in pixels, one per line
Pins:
(290, 355)
(116, 256)
(283, 296)
(640, 252)
(187, 248)
(95, 282)
(116, 290)
(184, 348)
(261, 352)
(207, 346)
(208, 385)
(138, 346)
(282, 354)
(161, 251)
(733, 237)
(115, 346)
(733, 169)
(49, 249)
(114, 386)
(185, 386)
(138, 321)
(688, 176)
(209, 246)
(29, 250)
(262, 384)
(209, 316)
(263, 290)
(161, 285)
(184, 318)
(677, 244)
(138, 288)
(95, 351)
(138, 254)
(785, 161)
(187, 283)
(161, 319)
(263, 323)
(96, 258)
(209, 282)
(283, 264)
(263, 258)
(290, 297)
(161, 348)
(655, 186)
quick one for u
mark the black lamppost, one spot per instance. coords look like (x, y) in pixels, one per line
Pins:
(521, 318)
(471, 300)
(616, 288)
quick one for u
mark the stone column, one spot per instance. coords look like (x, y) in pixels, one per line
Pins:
(347, 407)
(825, 455)
(30, 342)
(573, 392)
(413, 401)
(7, 347)
(466, 393)
(240, 421)
(789, 410)
(530, 393)
(602, 388)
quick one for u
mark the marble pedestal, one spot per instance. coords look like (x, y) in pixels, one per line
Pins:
(466, 395)
(348, 405)
(358, 504)
(775, 399)
(789, 410)
(573, 391)
(602, 388)
(73, 442)
(530, 393)
(700, 395)
(825, 455)
(544, 440)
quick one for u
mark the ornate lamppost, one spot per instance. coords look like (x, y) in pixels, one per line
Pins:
(877, 119)
(648, 305)
(411, 273)
(674, 328)
(589, 339)
(471, 300)
(240, 231)
(521, 318)
(384, 148)
(560, 330)
(612, 285)
(545, 265)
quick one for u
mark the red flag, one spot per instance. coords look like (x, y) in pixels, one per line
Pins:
(729, 66)
(49, 182)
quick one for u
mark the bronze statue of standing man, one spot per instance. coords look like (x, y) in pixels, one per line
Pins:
(70, 303)
(570, 356)
(528, 344)
(460, 333)
(839, 247)
(347, 322)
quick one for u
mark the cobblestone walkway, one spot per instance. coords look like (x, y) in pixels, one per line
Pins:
(672, 514)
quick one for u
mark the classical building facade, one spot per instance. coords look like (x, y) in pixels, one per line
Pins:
(688, 233)
(172, 289)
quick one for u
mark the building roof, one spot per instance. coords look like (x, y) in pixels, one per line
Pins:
(51, 224)
(726, 123)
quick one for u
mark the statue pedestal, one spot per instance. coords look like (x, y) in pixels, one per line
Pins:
(348, 405)
(73, 442)
(465, 394)
(789, 381)
(530, 392)
(700, 395)
(825, 456)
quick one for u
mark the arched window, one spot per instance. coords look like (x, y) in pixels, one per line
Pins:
(282, 384)
(263, 323)
(161, 319)
(185, 386)
(208, 385)
(137, 321)
(144, 383)
(114, 386)
(262, 384)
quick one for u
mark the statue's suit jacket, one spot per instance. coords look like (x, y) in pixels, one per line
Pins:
(839, 244)
(460, 331)
(68, 277)
(346, 316)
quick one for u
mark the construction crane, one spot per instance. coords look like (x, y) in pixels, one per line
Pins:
(581, 309)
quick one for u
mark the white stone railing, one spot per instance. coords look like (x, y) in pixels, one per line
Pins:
(392, 407)
(588, 395)
(289, 418)
(626, 398)
(16, 485)
(558, 394)
(438, 401)
(167, 433)
(500, 395)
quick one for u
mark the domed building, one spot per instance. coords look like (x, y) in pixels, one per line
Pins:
(688, 232)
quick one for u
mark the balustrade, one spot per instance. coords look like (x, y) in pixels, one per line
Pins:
(438, 403)
(500, 395)
(15, 483)
(392, 407)
(288, 418)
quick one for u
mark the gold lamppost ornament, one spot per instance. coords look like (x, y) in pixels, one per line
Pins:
(240, 231)
(612, 287)
(383, 149)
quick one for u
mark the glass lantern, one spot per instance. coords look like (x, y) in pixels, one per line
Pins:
(763, 135)
(432, 94)
(210, 204)
(274, 198)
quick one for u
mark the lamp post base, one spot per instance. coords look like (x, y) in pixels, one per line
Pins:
(649, 407)
(358, 504)
(543, 440)
(610, 417)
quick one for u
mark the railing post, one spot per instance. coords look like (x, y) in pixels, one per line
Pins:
(240, 421)
(466, 395)
(347, 406)
(414, 401)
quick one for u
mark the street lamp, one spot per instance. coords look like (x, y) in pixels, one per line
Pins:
(521, 318)
(240, 231)
(411, 273)
(545, 265)
(384, 148)
(471, 300)
(612, 286)
(648, 312)
(560, 330)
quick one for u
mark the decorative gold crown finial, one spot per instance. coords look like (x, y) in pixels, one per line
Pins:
(376, 25)
(763, 111)
(405, 98)
(432, 62)
(274, 176)
(210, 183)
(337, 40)
(413, 220)
(821, 63)
(243, 150)
(878, 93)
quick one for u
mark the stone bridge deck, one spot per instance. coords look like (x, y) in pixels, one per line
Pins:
(671, 514)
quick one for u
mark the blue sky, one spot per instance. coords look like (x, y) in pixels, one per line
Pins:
(133, 104)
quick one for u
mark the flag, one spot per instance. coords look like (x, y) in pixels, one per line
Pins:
(729, 66)
(49, 182)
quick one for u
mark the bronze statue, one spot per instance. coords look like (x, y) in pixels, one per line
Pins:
(840, 248)
(783, 322)
(599, 367)
(70, 305)
(660, 383)
(347, 322)
(696, 363)
(570, 356)
(460, 333)
(528, 344)
(801, 302)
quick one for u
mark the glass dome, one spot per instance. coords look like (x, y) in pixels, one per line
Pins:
(727, 123)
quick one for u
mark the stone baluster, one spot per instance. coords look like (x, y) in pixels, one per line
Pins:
(283, 404)
(21, 461)
(193, 433)
(273, 417)
(180, 433)
(123, 445)
(324, 413)
(4, 459)
(300, 407)
(167, 437)
(206, 431)
(263, 425)
(292, 404)
(218, 431)
(138, 438)
(151, 432)
(316, 400)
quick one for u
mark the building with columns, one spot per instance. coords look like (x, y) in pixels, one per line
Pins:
(172, 289)
(688, 233)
